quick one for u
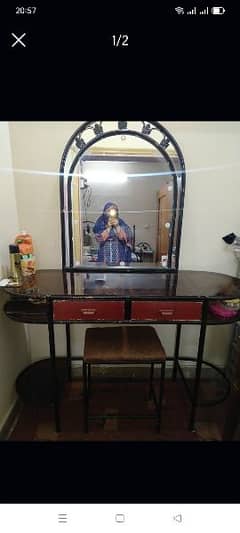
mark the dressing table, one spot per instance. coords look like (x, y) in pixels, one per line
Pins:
(180, 298)
(157, 292)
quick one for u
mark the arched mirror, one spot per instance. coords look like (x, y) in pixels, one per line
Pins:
(121, 193)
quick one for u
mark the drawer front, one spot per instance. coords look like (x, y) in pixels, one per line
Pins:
(169, 310)
(88, 310)
(188, 310)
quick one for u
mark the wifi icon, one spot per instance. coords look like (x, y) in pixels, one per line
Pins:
(179, 10)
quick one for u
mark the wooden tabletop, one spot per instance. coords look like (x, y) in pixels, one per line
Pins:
(183, 284)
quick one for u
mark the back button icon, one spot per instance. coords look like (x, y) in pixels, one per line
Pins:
(178, 518)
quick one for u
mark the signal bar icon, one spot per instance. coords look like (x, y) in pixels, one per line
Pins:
(179, 10)
(204, 11)
(192, 12)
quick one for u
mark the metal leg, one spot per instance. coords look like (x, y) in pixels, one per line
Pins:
(54, 376)
(161, 395)
(85, 394)
(151, 381)
(69, 355)
(89, 378)
(176, 351)
(198, 366)
(232, 416)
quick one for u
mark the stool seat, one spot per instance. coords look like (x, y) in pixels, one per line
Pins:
(123, 344)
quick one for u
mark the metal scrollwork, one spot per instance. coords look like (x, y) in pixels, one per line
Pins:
(165, 142)
(96, 131)
(80, 143)
(146, 130)
(122, 125)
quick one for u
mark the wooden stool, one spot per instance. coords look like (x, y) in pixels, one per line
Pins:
(120, 345)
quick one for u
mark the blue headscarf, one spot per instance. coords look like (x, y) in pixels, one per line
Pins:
(106, 207)
(103, 219)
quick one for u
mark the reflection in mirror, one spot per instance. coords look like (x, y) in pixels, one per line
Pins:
(114, 237)
(125, 206)
(124, 201)
(95, 284)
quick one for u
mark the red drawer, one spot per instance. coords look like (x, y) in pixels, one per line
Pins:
(88, 310)
(169, 310)
(188, 310)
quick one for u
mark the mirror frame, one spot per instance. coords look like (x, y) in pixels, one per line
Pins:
(94, 131)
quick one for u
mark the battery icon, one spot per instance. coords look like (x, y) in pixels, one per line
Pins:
(218, 10)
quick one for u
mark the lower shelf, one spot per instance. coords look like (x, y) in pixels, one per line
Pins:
(34, 385)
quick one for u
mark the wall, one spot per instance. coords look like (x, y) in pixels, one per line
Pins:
(37, 147)
(13, 349)
(9, 218)
(211, 152)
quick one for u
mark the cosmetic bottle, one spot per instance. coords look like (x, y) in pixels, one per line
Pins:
(28, 262)
(15, 264)
(28, 265)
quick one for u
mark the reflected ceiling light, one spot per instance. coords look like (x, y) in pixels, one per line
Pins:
(106, 177)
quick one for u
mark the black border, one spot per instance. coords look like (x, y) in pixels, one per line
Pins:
(177, 68)
(166, 472)
(172, 73)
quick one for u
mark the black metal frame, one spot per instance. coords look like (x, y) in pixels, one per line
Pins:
(51, 337)
(151, 395)
(193, 396)
(96, 129)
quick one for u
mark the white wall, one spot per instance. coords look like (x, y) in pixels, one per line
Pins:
(13, 348)
(212, 194)
(211, 210)
(38, 146)
(8, 211)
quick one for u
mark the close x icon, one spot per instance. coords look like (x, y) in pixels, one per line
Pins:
(18, 40)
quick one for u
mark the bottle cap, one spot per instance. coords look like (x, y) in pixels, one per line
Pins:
(13, 249)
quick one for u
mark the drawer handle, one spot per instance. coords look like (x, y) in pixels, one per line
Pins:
(88, 311)
(166, 313)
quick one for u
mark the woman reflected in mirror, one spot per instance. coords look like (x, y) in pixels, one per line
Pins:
(114, 237)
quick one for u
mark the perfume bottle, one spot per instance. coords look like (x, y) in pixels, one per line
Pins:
(15, 263)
